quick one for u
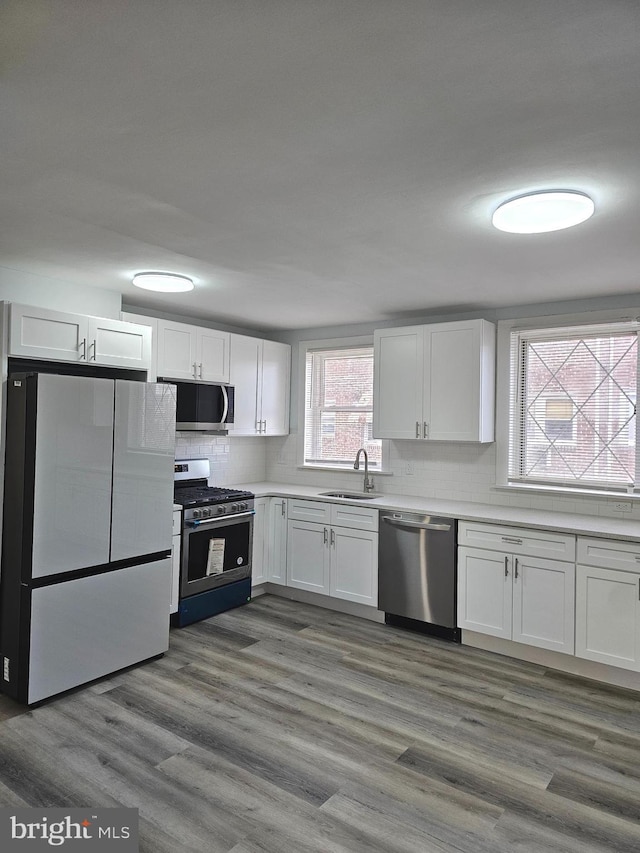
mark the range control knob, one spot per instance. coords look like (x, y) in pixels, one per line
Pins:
(206, 513)
(197, 513)
(242, 506)
(220, 510)
(234, 507)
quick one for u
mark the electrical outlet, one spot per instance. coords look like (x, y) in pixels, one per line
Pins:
(408, 468)
(5, 668)
(622, 506)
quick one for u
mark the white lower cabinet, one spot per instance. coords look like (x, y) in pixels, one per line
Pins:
(276, 541)
(328, 557)
(308, 556)
(608, 602)
(513, 594)
(269, 560)
(259, 541)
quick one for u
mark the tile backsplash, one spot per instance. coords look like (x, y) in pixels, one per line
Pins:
(233, 460)
(464, 472)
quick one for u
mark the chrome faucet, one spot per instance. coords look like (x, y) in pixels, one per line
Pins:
(368, 481)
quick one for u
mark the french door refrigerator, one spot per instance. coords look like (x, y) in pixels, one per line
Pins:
(85, 583)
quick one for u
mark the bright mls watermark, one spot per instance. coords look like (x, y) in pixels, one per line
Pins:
(101, 830)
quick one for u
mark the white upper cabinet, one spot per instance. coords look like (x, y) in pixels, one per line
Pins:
(398, 381)
(435, 382)
(118, 343)
(57, 336)
(192, 352)
(260, 373)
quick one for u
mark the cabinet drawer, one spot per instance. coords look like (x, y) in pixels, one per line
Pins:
(177, 518)
(609, 553)
(518, 540)
(300, 510)
(359, 517)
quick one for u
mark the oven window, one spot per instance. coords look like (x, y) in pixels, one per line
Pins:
(216, 550)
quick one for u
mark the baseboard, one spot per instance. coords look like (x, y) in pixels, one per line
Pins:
(554, 660)
(326, 601)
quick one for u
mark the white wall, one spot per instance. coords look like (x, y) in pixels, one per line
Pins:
(29, 289)
(439, 469)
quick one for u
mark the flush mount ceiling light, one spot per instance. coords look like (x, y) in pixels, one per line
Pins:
(535, 213)
(163, 282)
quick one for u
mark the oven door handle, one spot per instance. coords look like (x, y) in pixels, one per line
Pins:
(197, 522)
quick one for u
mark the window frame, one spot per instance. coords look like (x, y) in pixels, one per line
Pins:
(504, 376)
(327, 344)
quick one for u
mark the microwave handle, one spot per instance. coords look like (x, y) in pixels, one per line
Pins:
(226, 405)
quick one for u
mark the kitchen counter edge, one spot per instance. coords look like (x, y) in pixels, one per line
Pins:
(585, 525)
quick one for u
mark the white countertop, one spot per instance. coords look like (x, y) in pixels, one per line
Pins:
(591, 525)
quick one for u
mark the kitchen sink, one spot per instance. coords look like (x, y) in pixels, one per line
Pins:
(352, 496)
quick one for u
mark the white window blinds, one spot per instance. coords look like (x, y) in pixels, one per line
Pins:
(573, 406)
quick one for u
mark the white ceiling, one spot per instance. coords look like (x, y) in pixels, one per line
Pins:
(317, 162)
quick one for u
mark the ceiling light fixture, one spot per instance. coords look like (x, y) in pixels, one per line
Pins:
(549, 210)
(163, 282)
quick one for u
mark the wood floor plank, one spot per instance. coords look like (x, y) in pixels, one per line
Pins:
(282, 727)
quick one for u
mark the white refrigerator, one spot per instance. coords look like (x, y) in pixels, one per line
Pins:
(88, 498)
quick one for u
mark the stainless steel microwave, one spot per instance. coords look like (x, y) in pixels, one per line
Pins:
(203, 405)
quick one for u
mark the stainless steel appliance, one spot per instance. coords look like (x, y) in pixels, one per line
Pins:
(217, 540)
(417, 572)
(204, 406)
(86, 541)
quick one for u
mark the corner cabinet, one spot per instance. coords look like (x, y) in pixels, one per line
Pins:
(608, 602)
(517, 584)
(58, 336)
(269, 560)
(333, 549)
(195, 353)
(435, 382)
(260, 373)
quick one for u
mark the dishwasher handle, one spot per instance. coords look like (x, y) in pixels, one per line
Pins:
(421, 525)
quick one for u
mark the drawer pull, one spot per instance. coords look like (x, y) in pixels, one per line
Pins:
(506, 567)
(512, 540)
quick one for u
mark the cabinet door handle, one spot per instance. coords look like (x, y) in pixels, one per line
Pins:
(200, 376)
(195, 371)
(282, 505)
(506, 567)
(93, 357)
(417, 429)
(83, 344)
(264, 429)
(426, 430)
(516, 569)
(333, 537)
(326, 536)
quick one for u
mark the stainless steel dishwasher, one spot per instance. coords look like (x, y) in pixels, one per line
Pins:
(417, 572)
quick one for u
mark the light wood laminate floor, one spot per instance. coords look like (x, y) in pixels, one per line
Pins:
(284, 728)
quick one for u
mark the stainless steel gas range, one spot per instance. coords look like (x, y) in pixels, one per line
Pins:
(217, 539)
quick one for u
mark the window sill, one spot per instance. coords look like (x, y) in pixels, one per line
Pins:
(567, 492)
(339, 469)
